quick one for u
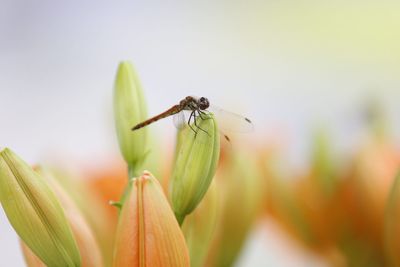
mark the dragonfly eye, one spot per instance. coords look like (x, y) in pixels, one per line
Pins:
(203, 103)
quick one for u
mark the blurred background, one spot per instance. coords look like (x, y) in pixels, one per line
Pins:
(291, 66)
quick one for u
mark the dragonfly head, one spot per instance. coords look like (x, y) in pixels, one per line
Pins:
(203, 103)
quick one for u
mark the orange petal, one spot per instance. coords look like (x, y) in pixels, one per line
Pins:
(108, 183)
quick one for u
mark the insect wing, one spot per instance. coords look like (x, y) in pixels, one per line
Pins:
(179, 120)
(231, 122)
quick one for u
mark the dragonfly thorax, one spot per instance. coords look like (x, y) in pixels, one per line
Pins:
(191, 103)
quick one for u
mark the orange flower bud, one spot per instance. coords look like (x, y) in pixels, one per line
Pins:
(148, 233)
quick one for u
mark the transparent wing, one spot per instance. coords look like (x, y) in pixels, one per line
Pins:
(179, 120)
(231, 122)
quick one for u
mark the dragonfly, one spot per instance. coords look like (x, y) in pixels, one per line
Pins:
(199, 107)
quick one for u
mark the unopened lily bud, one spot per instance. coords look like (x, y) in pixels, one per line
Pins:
(129, 110)
(93, 205)
(35, 213)
(31, 259)
(392, 225)
(84, 236)
(148, 233)
(195, 165)
(200, 225)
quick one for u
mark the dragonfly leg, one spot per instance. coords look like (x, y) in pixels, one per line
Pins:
(190, 118)
(198, 127)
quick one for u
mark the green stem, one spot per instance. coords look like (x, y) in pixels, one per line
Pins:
(132, 171)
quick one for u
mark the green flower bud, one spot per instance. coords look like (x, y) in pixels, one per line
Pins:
(195, 165)
(129, 110)
(35, 212)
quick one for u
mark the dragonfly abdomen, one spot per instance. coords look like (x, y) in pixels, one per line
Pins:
(173, 110)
